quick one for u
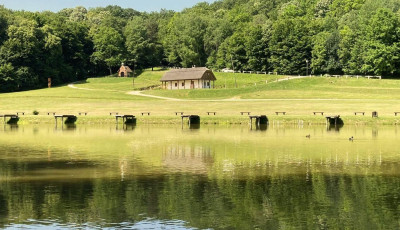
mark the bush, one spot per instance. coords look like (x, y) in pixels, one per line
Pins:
(35, 112)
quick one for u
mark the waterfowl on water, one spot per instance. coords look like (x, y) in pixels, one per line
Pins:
(351, 138)
(308, 136)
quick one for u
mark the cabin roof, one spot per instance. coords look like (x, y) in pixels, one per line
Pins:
(125, 68)
(189, 74)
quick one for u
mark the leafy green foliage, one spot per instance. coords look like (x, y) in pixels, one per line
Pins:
(108, 46)
(285, 36)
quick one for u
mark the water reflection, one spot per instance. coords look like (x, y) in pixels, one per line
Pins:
(188, 158)
(125, 127)
(259, 127)
(263, 202)
(10, 127)
(194, 126)
(335, 128)
(216, 177)
(374, 132)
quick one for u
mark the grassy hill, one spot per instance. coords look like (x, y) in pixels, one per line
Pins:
(305, 88)
(262, 94)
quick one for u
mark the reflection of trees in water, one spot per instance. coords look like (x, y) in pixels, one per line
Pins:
(3, 207)
(259, 201)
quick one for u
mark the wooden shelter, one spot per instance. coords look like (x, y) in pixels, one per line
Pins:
(124, 71)
(189, 78)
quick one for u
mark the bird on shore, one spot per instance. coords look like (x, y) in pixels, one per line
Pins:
(351, 138)
(308, 136)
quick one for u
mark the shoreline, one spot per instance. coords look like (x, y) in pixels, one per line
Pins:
(219, 120)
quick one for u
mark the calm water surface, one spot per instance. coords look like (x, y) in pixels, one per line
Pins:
(152, 177)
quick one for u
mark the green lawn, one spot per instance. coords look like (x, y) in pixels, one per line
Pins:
(145, 80)
(306, 88)
(299, 98)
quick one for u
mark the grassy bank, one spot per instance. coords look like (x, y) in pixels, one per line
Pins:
(220, 120)
(305, 88)
(262, 93)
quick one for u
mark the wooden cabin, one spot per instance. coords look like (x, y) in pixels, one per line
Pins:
(189, 78)
(124, 71)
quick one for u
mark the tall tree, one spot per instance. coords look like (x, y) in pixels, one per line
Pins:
(109, 47)
(290, 46)
(142, 41)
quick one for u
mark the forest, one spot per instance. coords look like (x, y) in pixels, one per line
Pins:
(285, 36)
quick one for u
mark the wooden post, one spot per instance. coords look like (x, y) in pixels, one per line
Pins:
(49, 82)
(251, 123)
(182, 122)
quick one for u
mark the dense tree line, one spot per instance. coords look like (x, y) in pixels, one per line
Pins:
(333, 36)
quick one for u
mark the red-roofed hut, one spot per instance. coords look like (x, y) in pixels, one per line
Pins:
(124, 71)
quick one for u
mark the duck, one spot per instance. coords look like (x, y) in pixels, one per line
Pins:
(351, 138)
(308, 136)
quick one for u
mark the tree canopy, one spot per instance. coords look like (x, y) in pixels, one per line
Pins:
(284, 36)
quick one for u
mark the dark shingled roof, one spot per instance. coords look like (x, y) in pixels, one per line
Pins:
(199, 73)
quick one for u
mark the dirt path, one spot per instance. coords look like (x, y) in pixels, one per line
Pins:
(292, 78)
(74, 87)
(140, 94)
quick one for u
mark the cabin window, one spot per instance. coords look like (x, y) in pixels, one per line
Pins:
(208, 84)
(183, 84)
(176, 84)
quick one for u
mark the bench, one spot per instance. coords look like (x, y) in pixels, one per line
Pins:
(54, 113)
(148, 113)
(355, 113)
(80, 113)
(23, 113)
(126, 118)
(395, 113)
(248, 113)
(208, 113)
(11, 116)
(176, 113)
(72, 118)
(277, 113)
(315, 113)
(111, 113)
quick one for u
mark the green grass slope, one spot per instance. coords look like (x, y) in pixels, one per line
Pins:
(305, 88)
(145, 80)
(264, 94)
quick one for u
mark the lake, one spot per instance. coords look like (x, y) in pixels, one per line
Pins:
(214, 177)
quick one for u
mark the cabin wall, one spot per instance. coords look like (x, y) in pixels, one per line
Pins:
(124, 74)
(189, 84)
